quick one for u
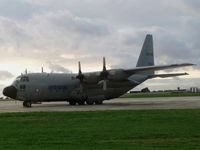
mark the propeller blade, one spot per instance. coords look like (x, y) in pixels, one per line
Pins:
(79, 67)
(81, 87)
(104, 85)
(104, 75)
(104, 64)
(80, 76)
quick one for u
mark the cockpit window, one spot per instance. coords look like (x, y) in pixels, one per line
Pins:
(22, 79)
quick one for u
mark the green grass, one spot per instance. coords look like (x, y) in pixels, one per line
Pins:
(159, 94)
(101, 130)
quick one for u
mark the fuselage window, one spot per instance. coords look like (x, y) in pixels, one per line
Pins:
(22, 87)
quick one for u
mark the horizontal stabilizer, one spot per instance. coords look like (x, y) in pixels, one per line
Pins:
(167, 75)
(155, 68)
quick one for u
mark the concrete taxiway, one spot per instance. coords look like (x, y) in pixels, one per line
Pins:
(115, 104)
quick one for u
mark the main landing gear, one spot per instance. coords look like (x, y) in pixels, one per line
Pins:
(71, 102)
(88, 102)
(27, 103)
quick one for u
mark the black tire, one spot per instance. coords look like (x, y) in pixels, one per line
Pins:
(81, 102)
(27, 104)
(90, 102)
(99, 102)
(72, 102)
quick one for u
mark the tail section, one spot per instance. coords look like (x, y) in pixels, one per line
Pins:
(146, 57)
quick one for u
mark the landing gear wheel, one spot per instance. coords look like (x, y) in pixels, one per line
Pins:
(90, 102)
(81, 102)
(27, 104)
(72, 102)
(99, 102)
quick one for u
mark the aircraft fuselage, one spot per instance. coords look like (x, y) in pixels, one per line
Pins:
(39, 87)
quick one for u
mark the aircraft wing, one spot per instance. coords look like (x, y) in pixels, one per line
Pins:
(167, 75)
(155, 68)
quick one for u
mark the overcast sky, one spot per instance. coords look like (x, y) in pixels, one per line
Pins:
(57, 34)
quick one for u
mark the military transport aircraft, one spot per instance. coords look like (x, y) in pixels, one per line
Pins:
(90, 88)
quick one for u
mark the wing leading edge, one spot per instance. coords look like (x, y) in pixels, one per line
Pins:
(156, 68)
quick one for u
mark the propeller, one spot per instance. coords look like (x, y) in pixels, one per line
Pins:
(80, 76)
(26, 72)
(104, 75)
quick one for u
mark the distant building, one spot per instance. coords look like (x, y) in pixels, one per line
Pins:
(194, 89)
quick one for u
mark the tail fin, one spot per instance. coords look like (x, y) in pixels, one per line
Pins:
(146, 57)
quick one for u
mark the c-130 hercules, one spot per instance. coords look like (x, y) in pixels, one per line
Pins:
(90, 88)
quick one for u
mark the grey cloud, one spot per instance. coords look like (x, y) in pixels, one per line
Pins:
(18, 9)
(49, 34)
(83, 25)
(11, 30)
(194, 5)
(92, 29)
(58, 68)
(126, 61)
(4, 75)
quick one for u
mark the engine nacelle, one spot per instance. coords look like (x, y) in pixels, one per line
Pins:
(117, 75)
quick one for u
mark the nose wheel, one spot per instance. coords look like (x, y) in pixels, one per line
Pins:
(27, 104)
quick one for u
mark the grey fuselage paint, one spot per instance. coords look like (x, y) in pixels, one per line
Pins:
(65, 87)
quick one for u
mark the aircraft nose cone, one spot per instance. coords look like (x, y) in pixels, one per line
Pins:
(10, 91)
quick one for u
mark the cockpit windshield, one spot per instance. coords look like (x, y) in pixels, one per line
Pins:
(22, 79)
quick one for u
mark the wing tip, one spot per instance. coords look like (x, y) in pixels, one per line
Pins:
(184, 64)
(190, 64)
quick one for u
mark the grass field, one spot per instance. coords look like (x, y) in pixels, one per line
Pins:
(101, 130)
(159, 94)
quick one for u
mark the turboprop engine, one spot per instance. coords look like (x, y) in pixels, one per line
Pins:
(102, 77)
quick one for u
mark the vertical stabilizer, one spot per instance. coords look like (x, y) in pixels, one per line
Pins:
(146, 57)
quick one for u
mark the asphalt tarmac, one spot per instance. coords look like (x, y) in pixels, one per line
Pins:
(115, 104)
